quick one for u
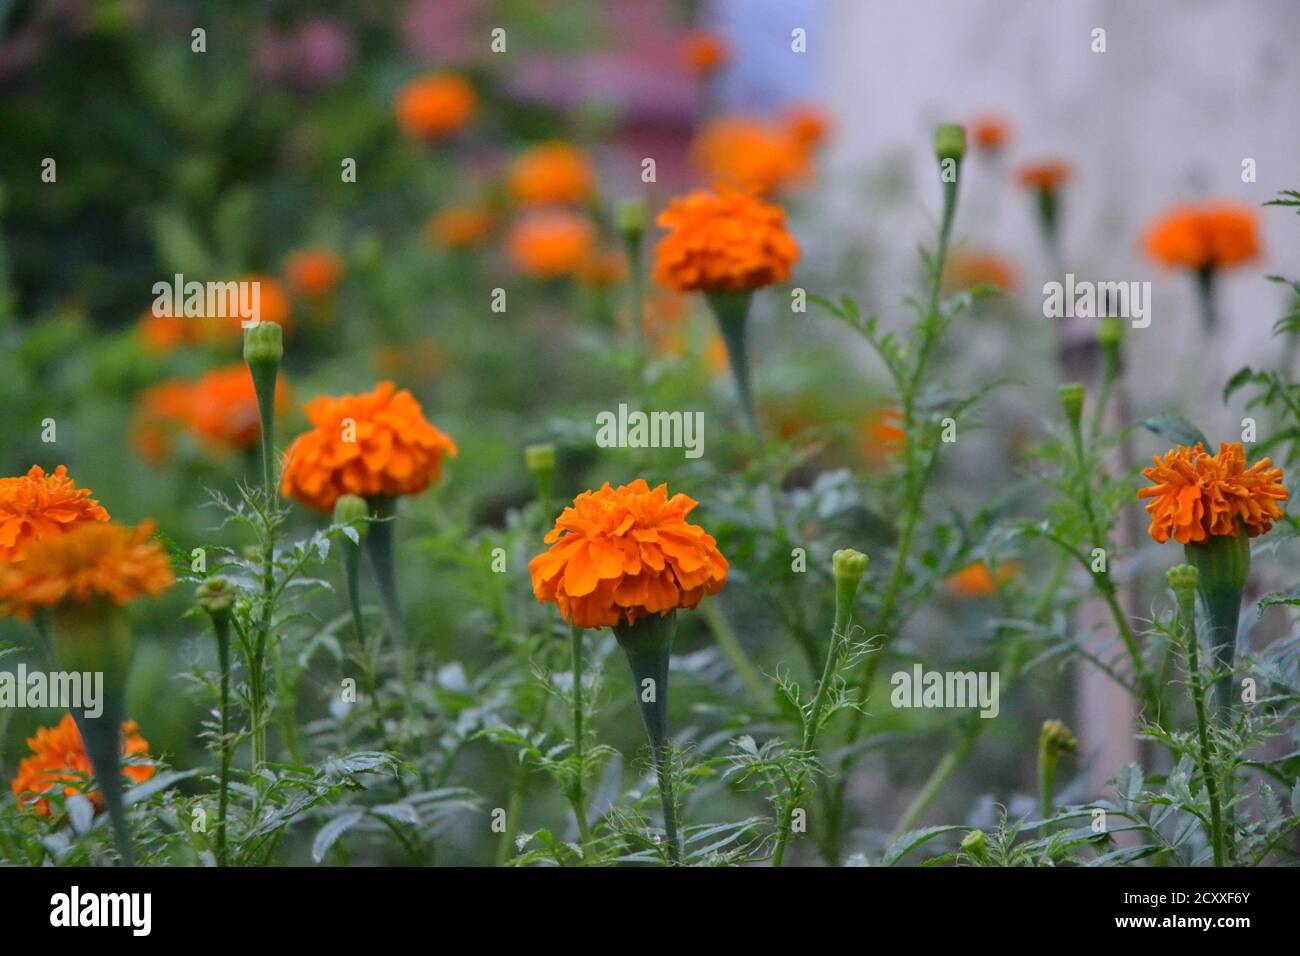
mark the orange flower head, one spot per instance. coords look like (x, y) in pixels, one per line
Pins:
(808, 124)
(272, 306)
(621, 554)
(1210, 236)
(1046, 176)
(550, 243)
(314, 272)
(724, 241)
(59, 757)
(435, 106)
(37, 506)
(976, 580)
(702, 52)
(750, 155)
(460, 227)
(94, 562)
(552, 173)
(374, 444)
(1195, 495)
(990, 132)
(968, 269)
(159, 410)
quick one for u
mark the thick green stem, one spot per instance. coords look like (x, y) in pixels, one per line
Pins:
(380, 547)
(1224, 565)
(731, 309)
(648, 646)
(221, 625)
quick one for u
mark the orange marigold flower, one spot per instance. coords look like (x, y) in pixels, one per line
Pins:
(95, 561)
(750, 154)
(59, 755)
(702, 52)
(550, 243)
(314, 272)
(976, 580)
(968, 269)
(1208, 236)
(36, 506)
(552, 173)
(990, 132)
(621, 554)
(460, 227)
(159, 410)
(724, 241)
(221, 407)
(374, 444)
(808, 124)
(435, 106)
(1047, 176)
(272, 306)
(1195, 494)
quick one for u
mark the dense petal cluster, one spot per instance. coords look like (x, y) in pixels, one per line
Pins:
(552, 173)
(435, 106)
(93, 562)
(37, 505)
(724, 241)
(376, 444)
(59, 757)
(1210, 236)
(621, 554)
(1195, 495)
(751, 155)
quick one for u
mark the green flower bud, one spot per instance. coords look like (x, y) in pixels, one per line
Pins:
(1110, 332)
(976, 844)
(216, 596)
(263, 345)
(352, 510)
(1056, 739)
(1183, 577)
(949, 142)
(630, 218)
(849, 565)
(1072, 402)
(539, 459)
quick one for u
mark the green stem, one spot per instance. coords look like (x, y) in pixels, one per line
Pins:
(731, 309)
(577, 798)
(1224, 565)
(380, 548)
(939, 777)
(102, 737)
(221, 624)
(1187, 620)
(731, 649)
(648, 646)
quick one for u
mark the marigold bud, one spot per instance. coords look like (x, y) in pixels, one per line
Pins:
(1072, 402)
(1056, 739)
(849, 565)
(216, 596)
(351, 510)
(949, 142)
(1110, 332)
(1183, 577)
(630, 218)
(975, 843)
(263, 345)
(539, 459)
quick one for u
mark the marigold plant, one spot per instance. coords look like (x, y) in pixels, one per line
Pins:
(59, 755)
(435, 106)
(1205, 236)
(314, 272)
(621, 554)
(374, 444)
(1195, 495)
(36, 506)
(552, 173)
(723, 241)
(94, 562)
(550, 243)
(751, 155)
